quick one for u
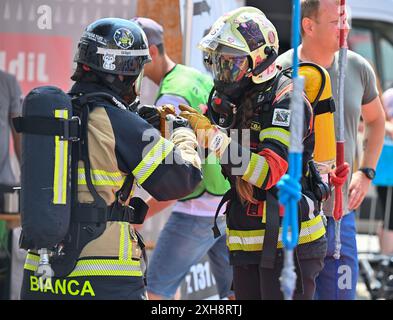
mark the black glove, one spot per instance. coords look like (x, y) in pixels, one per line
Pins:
(150, 114)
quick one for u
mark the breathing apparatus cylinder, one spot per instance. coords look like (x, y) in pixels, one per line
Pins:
(319, 92)
(45, 168)
(325, 143)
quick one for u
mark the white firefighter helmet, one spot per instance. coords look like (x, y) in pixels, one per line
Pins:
(234, 39)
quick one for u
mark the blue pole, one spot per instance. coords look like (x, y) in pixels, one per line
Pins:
(289, 185)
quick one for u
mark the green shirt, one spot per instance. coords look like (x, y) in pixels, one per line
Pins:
(187, 83)
(194, 87)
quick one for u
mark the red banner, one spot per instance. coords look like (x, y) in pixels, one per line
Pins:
(37, 60)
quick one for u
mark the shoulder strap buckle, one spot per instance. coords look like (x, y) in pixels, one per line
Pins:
(71, 129)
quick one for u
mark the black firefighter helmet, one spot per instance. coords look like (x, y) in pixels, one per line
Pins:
(114, 46)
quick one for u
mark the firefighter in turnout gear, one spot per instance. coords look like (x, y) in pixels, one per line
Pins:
(100, 255)
(251, 95)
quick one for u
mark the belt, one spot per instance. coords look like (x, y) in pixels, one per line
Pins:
(134, 213)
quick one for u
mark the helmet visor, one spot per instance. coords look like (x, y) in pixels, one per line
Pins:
(229, 68)
(138, 84)
(123, 62)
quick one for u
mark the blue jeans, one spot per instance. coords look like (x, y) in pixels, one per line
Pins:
(183, 241)
(337, 280)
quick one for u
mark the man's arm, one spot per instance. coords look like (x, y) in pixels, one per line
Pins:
(16, 138)
(157, 206)
(15, 110)
(173, 100)
(374, 121)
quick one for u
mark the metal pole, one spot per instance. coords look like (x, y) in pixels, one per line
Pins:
(187, 30)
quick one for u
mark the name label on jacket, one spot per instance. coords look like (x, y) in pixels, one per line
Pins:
(61, 286)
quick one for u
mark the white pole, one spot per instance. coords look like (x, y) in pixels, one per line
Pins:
(188, 14)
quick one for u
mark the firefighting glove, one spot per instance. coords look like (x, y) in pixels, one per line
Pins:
(150, 114)
(183, 137)
(208, 135)
(165, 110)
(156, 116)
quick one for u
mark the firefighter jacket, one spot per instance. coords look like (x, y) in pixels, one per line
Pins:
(262, 166)
(120, 143)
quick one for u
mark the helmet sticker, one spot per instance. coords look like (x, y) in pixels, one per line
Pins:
(258, 60)
(123, 38)
(252, 34)
(210, 40)
(94, 37)
(125, 53)
(264, 22)
(108, 62)
(271, 37)
(268, 72)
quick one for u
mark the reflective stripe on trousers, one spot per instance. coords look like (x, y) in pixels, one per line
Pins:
(122, 265)
(252, 240)
(94, 267)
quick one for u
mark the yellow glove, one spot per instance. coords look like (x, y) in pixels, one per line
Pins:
(198, 122)
(208, 135)
(164, 110)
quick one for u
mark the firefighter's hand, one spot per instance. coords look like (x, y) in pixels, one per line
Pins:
(208, 135)
(199, 123)
(165, 110)
(150, 114)
(175, 122)
(156, 116)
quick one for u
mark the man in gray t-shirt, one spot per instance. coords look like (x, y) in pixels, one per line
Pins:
(10, 106)
(320, 44)
(361, 84)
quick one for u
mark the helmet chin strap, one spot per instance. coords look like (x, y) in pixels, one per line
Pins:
(124, 88)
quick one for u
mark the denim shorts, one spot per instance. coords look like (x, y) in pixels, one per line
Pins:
(183, 241)
(338, 279)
